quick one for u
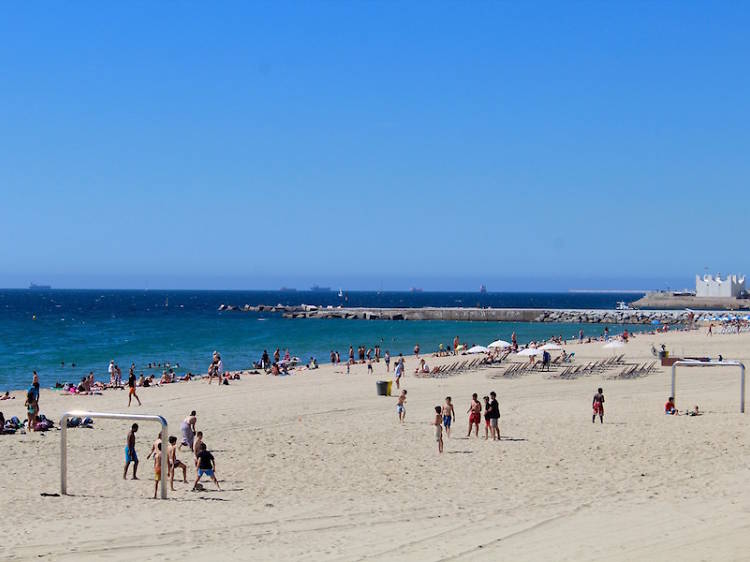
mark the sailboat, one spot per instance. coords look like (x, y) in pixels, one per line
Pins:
(341, 293)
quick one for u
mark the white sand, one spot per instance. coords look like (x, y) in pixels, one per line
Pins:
(316, 467)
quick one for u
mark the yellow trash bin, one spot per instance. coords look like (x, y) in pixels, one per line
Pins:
(388, 388)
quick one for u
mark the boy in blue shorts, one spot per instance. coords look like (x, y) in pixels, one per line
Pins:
(448, 414)
(130, 455)
(206, 465)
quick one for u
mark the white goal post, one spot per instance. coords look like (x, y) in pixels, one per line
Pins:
(133, 417)
(712, 364)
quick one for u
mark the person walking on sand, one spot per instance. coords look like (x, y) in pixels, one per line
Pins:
(486, 417)
(387, 358)
(207, 466)
(438, 423)
(130, 454)
(475, 415)
(401, 406)
(131, 388)
(448, 415)
(598, 405)
(398, 372)
(711, 329)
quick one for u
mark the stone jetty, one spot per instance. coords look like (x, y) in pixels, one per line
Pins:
(593, 316)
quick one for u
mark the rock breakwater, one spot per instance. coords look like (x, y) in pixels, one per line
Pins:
(472, 314)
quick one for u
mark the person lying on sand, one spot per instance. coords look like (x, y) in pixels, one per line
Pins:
(7, 396)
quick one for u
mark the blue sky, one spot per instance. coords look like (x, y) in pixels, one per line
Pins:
(251, 145)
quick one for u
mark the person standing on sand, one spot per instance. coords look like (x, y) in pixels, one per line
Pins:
(598, 405)
(174, 463)
(277, 355)
(401, 406)
(157, 469)
(130, 454)
(475, 415)
(416, 350)
(387, 358)
(207, 466)
(438, 423)
(494, 417)
(449, 415)
(580, 335)
(711, 329)
(455, 345)
(197, 446)
(131, 388)
(32, 403)
(486, 417)
(187, 427)
(398, 372)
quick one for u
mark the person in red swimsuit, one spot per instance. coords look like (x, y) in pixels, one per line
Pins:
(475, 415)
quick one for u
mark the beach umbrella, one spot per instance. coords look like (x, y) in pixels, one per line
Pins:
(529, 351)
(478, 349)
(500, 343)
(551, 346)
(614, 344)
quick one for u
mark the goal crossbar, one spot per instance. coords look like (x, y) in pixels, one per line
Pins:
(730, 363)
(106, 415)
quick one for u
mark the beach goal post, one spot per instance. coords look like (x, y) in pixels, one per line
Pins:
(104, 415)
(712, 364)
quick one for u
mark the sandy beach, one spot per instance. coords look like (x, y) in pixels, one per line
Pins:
(315, 466)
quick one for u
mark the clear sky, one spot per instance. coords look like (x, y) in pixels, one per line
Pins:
(525, 145)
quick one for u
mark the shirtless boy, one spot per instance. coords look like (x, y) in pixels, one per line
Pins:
(130, 455)
(448, 415)
(475, 415)
(131, 388)
(598, 405)
(174, 463)
(155, 446)
(438, 423)
(197, 445)
(401, 406)
(157, 469)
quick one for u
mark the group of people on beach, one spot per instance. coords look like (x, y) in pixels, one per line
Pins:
(203, 460)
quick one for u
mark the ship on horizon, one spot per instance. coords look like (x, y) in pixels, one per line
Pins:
(288, 290)
(35, 287)
(483, 289)
(319, 289)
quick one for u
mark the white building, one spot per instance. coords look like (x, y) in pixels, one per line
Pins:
(710, 286)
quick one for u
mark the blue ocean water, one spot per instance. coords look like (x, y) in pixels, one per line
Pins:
(39, 330)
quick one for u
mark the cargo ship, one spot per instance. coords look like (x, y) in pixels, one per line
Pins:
(35, 287)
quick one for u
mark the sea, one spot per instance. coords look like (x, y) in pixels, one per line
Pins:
(65, 334)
